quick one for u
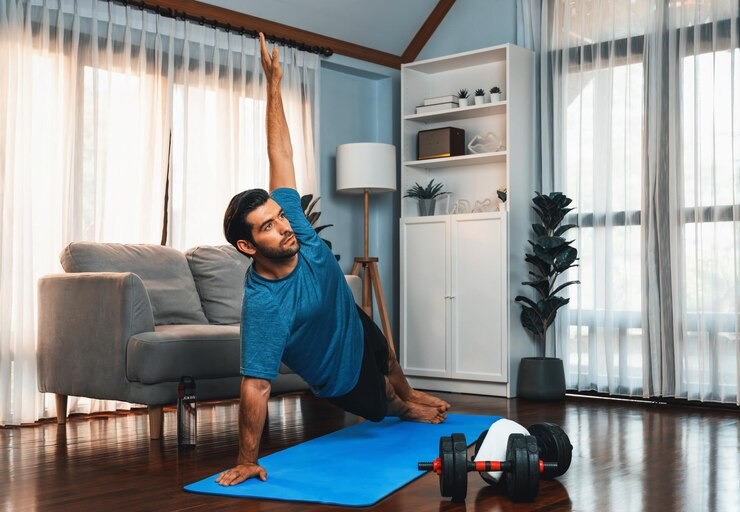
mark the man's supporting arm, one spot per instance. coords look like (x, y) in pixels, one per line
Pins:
(253, 399)
(279, 147)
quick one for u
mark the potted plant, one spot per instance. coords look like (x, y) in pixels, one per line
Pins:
(462, 97)
(501, 194)
(495, 94)
(308, 203)
(543, 378)
(479, 96)
(427, 196)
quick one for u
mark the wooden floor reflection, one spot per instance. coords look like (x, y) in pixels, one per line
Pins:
(628, 456)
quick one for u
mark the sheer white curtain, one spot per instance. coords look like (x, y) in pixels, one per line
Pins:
(641, 106)
(99, 104)
(218, 140)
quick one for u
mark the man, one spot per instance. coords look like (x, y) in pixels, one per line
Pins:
(298, 308)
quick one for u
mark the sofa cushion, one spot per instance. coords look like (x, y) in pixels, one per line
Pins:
(219, 273)
(163, 270)
(171, 351)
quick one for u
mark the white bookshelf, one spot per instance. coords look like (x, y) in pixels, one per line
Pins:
(459, 271)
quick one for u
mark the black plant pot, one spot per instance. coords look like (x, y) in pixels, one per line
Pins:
(541, 378)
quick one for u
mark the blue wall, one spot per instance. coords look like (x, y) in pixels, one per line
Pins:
(360, 102)
(473, 24)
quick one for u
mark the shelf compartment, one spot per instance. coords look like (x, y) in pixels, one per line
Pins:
(456, 161)
(458, 61)
(470, 112)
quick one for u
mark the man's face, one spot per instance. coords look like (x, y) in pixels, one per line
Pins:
(273, 236)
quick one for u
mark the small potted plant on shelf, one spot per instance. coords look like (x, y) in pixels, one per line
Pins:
(501, 194)
(495, 94)
(462, 97)
(543, 378)
(426, 196)
(480, 95)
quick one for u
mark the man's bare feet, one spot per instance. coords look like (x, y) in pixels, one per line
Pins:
(419, 397)
(408, 394)
(431, 410)
(423, 413)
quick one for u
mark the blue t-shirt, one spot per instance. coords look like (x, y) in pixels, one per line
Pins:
(307, 319)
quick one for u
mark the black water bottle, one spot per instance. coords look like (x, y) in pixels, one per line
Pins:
(187, 414)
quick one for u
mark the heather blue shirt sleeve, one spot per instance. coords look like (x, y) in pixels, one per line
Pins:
(264, 334)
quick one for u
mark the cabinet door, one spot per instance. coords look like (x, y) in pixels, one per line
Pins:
(424, 257)
(478, 289)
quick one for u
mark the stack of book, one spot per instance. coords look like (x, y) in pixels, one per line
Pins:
(437, 103)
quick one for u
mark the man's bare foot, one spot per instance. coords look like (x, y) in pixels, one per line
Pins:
(423, 413)
(419, 397)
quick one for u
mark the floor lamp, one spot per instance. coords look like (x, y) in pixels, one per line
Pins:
(363, 168)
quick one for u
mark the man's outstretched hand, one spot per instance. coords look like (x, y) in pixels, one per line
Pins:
(279, 148)
(241, 472)
(270, 63)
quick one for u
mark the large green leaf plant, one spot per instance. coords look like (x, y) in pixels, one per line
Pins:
(308, 203)
(551, 256)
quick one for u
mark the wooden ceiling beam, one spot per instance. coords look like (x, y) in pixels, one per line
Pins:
(240, 20)
(427, 29)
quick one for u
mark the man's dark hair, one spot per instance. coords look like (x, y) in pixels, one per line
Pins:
(236, 226)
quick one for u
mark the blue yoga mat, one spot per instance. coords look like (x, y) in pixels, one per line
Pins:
(356, 466)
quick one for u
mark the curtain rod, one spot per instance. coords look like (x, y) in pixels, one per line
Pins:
(182, 15)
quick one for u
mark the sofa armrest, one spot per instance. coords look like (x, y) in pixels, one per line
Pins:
(84, 323)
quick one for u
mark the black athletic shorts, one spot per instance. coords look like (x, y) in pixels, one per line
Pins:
(368, 398)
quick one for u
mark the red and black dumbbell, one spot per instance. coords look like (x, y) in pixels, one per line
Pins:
(554, 446)
(528, 458)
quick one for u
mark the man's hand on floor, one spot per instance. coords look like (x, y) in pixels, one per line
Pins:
(240, 473)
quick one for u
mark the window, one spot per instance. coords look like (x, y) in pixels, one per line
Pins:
(603, 159)
(123, 126)
(646, 140)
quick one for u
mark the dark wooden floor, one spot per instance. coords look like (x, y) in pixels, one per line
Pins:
(627, 456)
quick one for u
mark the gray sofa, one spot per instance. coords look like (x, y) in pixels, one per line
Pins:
(126, 321)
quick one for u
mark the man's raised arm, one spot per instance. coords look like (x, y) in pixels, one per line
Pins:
(279, 148)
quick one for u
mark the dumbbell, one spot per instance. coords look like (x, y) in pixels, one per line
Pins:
(522, 467)
(546, 454)
(554, 446)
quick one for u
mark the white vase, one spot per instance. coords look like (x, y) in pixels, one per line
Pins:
(495, 97)
(463, 102)
(479, 100)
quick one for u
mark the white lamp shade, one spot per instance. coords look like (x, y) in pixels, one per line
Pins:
(367, 166)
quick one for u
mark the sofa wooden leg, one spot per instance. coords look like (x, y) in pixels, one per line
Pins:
(156, 421)
(61, 401)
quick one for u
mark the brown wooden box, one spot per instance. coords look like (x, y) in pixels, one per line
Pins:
(440, 143)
